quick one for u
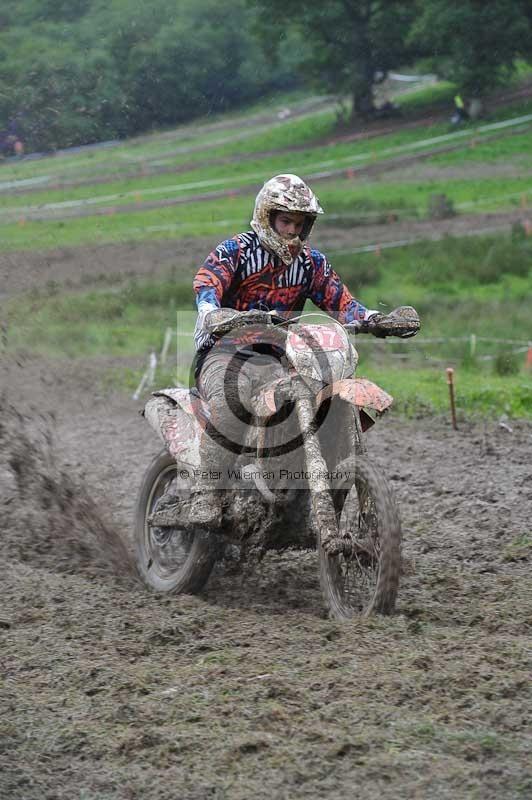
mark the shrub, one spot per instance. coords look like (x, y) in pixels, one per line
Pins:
(440, 207)
(357, 272)
(504, 257)
(506, 363)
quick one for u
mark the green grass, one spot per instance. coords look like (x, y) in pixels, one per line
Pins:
(227, 175)
(479, 285)
(128, 321)
(424, 392)
(517, 147)
(221, 139)
(460, 287)
(174, 153)
(426, 97)
(219, 218)
(130, 193)
(290, 133)
(352, 198)
(298, 132)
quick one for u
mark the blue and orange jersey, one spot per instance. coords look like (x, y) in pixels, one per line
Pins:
(241, 274)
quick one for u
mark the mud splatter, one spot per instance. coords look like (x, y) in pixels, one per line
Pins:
(49, 516)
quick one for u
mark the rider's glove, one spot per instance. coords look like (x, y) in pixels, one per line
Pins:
(373, 322)
(364, 325)
(361, 325)
(204, 309)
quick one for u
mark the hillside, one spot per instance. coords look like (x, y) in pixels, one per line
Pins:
(151, 208)
(248, 690)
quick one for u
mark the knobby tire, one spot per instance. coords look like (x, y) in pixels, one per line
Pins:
(189, 558)
(374, 520)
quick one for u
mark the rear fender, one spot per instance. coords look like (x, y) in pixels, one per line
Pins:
(178, 417)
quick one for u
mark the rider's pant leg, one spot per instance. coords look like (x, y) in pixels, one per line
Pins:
(224, 382)
(227, 382)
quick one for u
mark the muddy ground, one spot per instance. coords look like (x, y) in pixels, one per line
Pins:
(109, 692)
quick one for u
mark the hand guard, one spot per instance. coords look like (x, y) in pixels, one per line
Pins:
(222, 320)
(402, 322)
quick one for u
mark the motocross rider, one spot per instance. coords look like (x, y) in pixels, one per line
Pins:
(272, 268)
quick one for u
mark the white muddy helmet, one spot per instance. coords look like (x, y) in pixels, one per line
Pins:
(284, 193)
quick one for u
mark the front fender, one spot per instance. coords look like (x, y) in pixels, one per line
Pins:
(360, 392)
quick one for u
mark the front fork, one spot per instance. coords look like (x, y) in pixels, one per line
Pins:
(319, 486)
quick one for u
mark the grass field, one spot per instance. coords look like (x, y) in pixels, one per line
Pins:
(344, 196)
(462, 287)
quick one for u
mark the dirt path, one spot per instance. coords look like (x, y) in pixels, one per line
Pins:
(111, 693)
(86, 266)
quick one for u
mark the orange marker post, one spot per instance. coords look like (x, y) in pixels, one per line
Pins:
(450, 382)
(528, 360)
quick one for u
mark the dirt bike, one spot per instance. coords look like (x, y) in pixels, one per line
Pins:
(341, 504)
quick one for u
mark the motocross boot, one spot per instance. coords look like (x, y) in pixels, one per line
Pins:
(206, 507)
(206, 495)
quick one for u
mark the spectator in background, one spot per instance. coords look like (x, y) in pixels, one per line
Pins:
(460, 111)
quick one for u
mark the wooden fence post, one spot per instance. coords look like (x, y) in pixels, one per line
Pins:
(450, 376)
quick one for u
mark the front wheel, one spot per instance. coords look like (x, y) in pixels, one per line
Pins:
(169, 559)
(366, 579)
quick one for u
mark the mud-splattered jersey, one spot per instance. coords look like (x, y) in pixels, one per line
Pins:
(241, 274)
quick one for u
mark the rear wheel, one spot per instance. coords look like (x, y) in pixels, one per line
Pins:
(169, 559)
(365, 580)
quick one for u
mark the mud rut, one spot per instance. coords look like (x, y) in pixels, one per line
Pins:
(108, 691)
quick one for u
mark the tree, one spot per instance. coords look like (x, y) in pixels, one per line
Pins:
(348, 41)
(474, 43)
(79, 71)
(197, 63)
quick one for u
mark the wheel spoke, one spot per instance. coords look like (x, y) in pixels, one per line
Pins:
(365, 511)
(169, 558)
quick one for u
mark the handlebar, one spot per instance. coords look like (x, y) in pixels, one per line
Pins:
(224, 320)
(402, 321)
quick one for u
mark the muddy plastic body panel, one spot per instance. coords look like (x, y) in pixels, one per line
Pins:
(179, 415)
